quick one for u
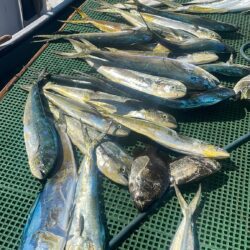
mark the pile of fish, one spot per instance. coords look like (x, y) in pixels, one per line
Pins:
(146, 65)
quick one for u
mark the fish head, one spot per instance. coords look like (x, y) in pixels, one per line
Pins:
(215, 152)
(120, 131)
(38, 169)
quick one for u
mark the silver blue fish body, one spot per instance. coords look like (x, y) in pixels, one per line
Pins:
(87, 230)
(40, 136)
(48, 222)
(202, 99)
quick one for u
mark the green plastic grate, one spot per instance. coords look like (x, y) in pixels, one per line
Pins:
(223, 219)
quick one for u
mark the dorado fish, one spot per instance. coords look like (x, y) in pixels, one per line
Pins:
(105, 26)
(203, 99)
(184, 236)
(148, 180)
(195, 45)
(193, 76)
(86, 81)
(204, 22)
(194, 58)
(190, 168)
(227, 69)
(170, 138)
(158, 22)
(40, 135)
(86, 115)
(113, 39)
(223, 6)
(111, 159)
(115, 104)
(243, 88)
(114, 162)
(87, 229)
(161, 87)
(47, 225)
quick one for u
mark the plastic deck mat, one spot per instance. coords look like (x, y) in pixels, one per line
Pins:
(223, 217)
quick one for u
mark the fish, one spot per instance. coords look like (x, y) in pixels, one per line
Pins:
(124, 38)
(194, 58)
(86, 115)
(169, 138)
(105, 26)
(242, 87)
(115, 104)
(159, 22)
(160, 87)
(192, 76)
(47, 225)
(113, 162)
(223, 6)
(86, 81)
(198, 58)
(189, 168)
(227, 69)
(184, 236)
(198, 21)
(87, 229)
(202, 99)
(111, 159)
(200, 2)
(148, 180)
(40, 136)
(195, 45)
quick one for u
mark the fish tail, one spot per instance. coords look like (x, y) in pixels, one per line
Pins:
(26, 87)
(188, 209)
(84, 18)
(106, 7)
(72, 54)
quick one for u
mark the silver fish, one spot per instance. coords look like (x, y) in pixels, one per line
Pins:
(184, 236)
(170, 138)
(113, 162)
(47, 226)
(227, 69)
(85, 115)
(243, 88)
(111, 159)
(87, 229)
(115, 104)
(40, 135)
(193, 76)
(190, 168)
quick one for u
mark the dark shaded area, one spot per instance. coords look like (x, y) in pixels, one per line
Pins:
(12, 60)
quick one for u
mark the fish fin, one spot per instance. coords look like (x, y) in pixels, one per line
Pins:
(230, 60)
(81, 13)
(72, 54)
(181, 200)
(26, 87)
(48, 38)
(84, 18)
(188, 209)
(170, 4)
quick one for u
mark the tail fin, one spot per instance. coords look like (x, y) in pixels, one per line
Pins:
(188, 209)
(72, 54)
(82, 49)
(26, 87)
(84, 18)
